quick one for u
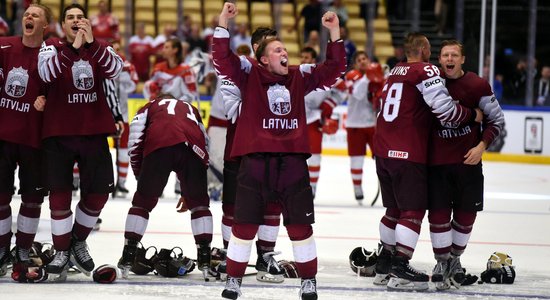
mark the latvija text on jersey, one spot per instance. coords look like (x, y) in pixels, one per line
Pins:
(14, 105)
(273, 123)
(82, 97)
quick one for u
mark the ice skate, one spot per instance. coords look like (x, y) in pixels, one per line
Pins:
(80, 257)
(57, 269)
(404, 277)
(5, 260)
(440, 270)
(358, 190)
(120, 191)
(232, 288)
(383, 266)
(268, 268)
(203, 260)
(456, 272)
(126, 262)
(308, 289)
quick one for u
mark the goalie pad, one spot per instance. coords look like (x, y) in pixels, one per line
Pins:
(363, 262)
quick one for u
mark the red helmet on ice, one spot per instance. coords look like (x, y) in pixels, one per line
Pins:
(330, 126)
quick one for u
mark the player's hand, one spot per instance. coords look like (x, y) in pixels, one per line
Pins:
(473, 157)
(330, 20)
(79, 39)
(86, 27)
(40, 103)
(229, 11)
(182, 205)
(119, 129)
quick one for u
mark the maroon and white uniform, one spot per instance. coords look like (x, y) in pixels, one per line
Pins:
(455, 189)
(168, 135)
(271, 138)
(77, 120)
(404, 123)
(450, 140)
(76, 100)
(20, 125)
(401, 143)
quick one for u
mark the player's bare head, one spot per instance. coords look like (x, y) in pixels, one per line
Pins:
(417, 47)
(36, 19)
(271, 53)
(360, 60)
(72, 15)
(173, 49)
(243, 49)
(260, 34)
(451, 58)
(308, 55)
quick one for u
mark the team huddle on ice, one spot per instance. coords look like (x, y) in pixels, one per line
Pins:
(426, 126)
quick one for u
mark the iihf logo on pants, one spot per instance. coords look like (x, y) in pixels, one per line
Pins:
(83, 76)
(16, 83)
(279, 99)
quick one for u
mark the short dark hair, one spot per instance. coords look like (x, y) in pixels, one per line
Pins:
(261, 48)
(261, 33)
(71, 6)
(356, 55)
(176, 43)
(309, 50)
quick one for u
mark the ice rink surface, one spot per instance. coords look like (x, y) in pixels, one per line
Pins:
(516, 220)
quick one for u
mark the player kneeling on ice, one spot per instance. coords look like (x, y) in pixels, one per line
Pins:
(168, 135)
(269, 139)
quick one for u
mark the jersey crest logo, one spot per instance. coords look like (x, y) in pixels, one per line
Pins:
(279, 99)
(83, 75)
(450, 124)
(16, 83)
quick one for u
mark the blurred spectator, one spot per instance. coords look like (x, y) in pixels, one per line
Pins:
(54, 30)
(208, 32)
(515, 87)
(168, 32)
(314, 41)
(395, 9)
(441, 9)
(186, 27)
(348, 45)
(4, 27)
(542, 85)
(398, 56)
(338, 7)
(241, 36)
(311, 13)
(105, 24)
(364, 9)
(195, 40)
(140, 48)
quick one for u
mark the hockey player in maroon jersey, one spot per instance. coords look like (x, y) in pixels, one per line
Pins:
(20, 125)
(319, 106)
(77, 121)
(455, 181)
(266, 265)
(168, 135)
(413, 89)
(365, 81)
(271, 138)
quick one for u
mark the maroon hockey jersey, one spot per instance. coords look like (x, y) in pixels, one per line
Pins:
(163, 123)
(20, 84)
(76, 103)
(404, 124)
(272, 117)
(450, 141)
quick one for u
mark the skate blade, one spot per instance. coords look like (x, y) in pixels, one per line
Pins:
(269, 278)
(205, 275)
(61, 277)
(3, 270)
(443, 285)
(223, 276)
(381, 279)
(125, 271)
(399, 284)
(455, 283)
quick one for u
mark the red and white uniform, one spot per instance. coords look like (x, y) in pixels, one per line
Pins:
(179, 82)
(140, 49)
(105, 27)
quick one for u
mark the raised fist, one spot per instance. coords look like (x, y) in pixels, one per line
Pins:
(330, 20)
